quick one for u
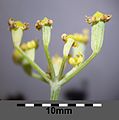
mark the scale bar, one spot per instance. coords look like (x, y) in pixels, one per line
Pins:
(60, 105)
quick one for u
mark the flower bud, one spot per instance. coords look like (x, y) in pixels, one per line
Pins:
(79, 58)
(17, 28)
(63, 37)
(17, 57)
(46, 26)
(57, 61)
(45, 22)
(97, 33)
(29, 45)
(82, 38)
(71, 61)
(98, 16)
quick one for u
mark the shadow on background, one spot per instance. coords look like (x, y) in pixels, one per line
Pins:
(78, 93)
(18, 96)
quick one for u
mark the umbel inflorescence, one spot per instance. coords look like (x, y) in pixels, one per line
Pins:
(73, 51)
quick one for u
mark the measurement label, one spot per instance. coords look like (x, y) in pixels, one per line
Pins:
(53, 110)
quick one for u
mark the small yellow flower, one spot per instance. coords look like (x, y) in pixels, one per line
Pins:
(83, 38)
(57, 61)
(72, 61)
(79, 58)
(75, 44)
(45, 21)
(17, 57)
(29, 45)
(13, 24)
(17, 29)
(98, 16)
(65, 37)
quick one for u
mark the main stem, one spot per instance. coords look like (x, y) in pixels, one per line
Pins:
(55, 91)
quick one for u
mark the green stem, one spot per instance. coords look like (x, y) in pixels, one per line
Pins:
(62, 67)
(76, 70)
(66, 51)
(46, 32)
(34, 65)
(37, 76)
(55, 91)
(49, 62)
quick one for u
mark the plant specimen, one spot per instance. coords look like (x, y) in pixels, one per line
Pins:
(24, 53)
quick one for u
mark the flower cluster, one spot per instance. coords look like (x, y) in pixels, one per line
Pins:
(77, 37)
(76, 60)
(17, 57)
(78, 40)
(13, 24)
(29, 45)
(98, 16)
(17, 29)
(97, 21)
(40, 23)
(73, 50)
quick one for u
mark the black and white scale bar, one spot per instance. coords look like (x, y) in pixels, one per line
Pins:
(60, 105)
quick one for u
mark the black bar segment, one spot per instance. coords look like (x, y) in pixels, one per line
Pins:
(71, 105)
(37, 105)
(20, 105)
(55, 105)
(88, 105)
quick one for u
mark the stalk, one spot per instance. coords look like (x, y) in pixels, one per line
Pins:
(46, 32)
(76, 70)
(34, 65)
(55, 91)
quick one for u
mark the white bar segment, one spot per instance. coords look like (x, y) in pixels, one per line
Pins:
(97, 105)
(46, 105)
(63, 105)
(80, 105)
(29, 105)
